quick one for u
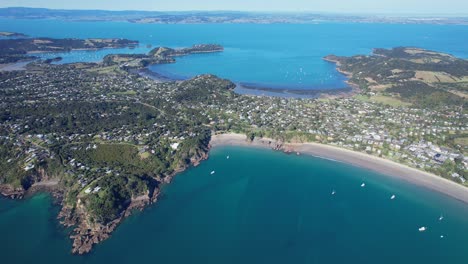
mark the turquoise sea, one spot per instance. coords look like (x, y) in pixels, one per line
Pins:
(259, 207)
(273, 56)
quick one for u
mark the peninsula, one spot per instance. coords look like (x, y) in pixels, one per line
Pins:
(157, 55)
(103, 138)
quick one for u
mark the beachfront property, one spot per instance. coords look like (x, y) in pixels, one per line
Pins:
(420, 138)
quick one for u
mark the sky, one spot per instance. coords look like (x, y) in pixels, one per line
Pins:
(329, 6)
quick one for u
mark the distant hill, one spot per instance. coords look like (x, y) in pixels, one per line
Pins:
(192, 17)
(42, 13)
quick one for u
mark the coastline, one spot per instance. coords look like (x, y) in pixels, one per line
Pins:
(379, 165)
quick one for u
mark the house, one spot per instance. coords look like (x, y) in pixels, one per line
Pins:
(174, 146)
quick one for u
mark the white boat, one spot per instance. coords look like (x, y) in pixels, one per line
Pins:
(441, 218)
(213, 172)
(393, 197)
(442, 236)
(422, 229)
(227, 157)
(333, 192)
(363, 185)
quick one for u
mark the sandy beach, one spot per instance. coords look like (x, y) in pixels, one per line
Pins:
(362, 160)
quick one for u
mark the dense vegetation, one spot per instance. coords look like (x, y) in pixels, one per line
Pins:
(433, 97)
(107, 204)
(157, 55)
(424, 78)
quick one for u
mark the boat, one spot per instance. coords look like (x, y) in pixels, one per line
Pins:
(213, 172)
(363, 185)
(393, 197)
(422, 229)
(442, 236)
(441, 218)
(227, 157)
(333, 192)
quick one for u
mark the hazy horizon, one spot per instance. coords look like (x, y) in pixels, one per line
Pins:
(257, 12)
(358, 7)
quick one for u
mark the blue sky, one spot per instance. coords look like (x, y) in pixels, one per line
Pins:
(333, 6)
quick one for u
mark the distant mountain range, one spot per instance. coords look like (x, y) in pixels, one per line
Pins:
(197, 17)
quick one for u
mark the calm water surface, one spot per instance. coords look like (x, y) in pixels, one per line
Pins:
(275, 56)
(260, 207)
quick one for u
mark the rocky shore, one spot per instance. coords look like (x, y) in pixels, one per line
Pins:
(11, 192)
(85, 234)
(42, 183)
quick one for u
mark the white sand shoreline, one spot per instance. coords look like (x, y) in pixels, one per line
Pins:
(380, 165)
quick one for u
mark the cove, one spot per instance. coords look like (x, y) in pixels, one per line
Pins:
(259, 206)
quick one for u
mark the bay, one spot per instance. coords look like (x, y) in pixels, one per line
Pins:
(260, 206)
(286, 56)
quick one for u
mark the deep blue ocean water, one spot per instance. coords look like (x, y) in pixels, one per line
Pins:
(274, 56)
(260, 207)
